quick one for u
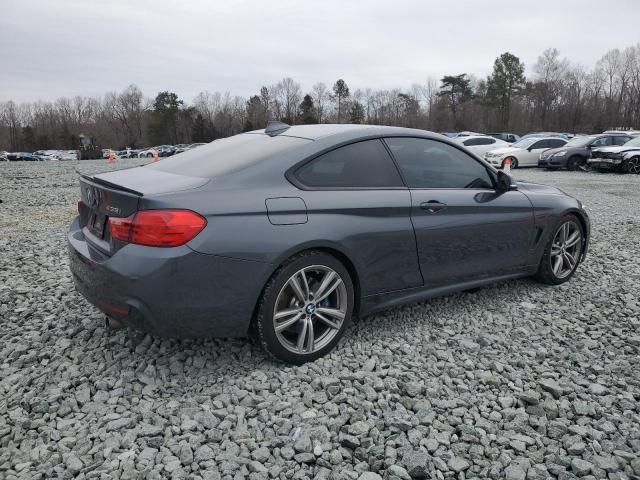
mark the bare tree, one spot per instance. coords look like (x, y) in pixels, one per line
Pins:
(320, 98)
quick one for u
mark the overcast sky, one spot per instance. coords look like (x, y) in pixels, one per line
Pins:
(52, 48)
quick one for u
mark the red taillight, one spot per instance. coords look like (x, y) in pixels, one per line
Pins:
(158, 228)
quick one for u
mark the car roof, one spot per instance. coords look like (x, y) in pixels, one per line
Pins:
(479, 135)
(345, 131)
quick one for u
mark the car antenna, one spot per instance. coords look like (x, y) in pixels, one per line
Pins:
(275, 127)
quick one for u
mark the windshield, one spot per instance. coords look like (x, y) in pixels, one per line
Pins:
(579, 141)
(526, 143)
(634, 142)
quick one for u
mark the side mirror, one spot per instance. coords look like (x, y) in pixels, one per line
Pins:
(504, 182)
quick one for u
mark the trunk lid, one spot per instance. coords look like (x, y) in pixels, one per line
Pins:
(119, 194)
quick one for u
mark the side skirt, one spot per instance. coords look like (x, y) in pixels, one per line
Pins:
(379, 302)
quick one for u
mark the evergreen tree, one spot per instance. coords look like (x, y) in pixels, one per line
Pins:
(307, 111)
(357, 113)
(455, 89)
(256, 114)
(163, 125)
(341, 92)
(506, 80)
(29, 139)
(201, 130)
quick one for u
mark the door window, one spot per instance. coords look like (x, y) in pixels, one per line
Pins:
(358, 165)
(601, 142)
(540, 144)
(556, 142)
(479, 141)
(620, 140)
(432, 164)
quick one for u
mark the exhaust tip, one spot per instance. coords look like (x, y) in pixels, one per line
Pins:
(112, 323)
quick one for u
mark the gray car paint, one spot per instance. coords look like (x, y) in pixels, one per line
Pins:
(257, 218)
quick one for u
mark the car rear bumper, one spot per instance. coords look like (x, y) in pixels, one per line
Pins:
(170, 292)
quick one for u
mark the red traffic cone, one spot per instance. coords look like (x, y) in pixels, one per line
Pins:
(155, 155)
(112, 157)
(507, 165)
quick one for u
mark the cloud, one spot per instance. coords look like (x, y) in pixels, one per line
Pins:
(87, 47)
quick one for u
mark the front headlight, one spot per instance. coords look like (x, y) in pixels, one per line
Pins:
(560, 154)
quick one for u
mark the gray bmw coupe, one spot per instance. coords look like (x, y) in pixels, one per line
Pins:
(289, 232)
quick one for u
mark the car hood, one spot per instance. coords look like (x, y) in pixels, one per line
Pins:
(618, 149)
(570, 150)
(538, 188)
(505, 150)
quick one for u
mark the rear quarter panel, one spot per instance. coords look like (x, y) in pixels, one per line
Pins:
(371, 228)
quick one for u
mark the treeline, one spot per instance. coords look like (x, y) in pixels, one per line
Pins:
(558, 96)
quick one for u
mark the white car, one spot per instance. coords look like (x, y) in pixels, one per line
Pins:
(481, 144)
(524, 153)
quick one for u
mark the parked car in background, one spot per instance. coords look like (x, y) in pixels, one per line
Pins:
(544, 134)
(481, 144)
(128, 153)
(47, 154)
(180, 147)
(524, 153)
(23, 156)
(624, 158)
(506, 137)
(3, 156)
(149, 152)
(167, 152)
(575, 153)
(465, 134)
(288, 232)
(68, 155)
(633, 133)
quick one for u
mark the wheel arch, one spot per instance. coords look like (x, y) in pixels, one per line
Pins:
(586, 227)
(326, 247)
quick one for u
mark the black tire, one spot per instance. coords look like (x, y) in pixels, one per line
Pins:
(545, 273)
(265, 328)
(149, 155)
(514, 162)
(574, 163)
(632, 165)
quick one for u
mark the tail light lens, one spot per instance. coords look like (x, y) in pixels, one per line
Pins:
(158, 228)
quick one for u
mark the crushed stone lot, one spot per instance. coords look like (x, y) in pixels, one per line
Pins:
(514, 381)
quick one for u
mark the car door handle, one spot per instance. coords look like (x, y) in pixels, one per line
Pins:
(433, 206)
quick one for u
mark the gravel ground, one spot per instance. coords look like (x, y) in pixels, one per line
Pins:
(515, 381)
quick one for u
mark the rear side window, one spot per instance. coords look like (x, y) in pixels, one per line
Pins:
(602, 142)
(540, 144)
(620, 140)
(556, 142)
(431, 164)
(227, 155)
(479, 141)
(359, 165)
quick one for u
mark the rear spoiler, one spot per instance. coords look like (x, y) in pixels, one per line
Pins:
(105, 183)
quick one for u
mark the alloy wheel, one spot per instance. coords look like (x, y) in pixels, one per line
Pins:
(310, 309)
(566, 249)
(633, 165)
